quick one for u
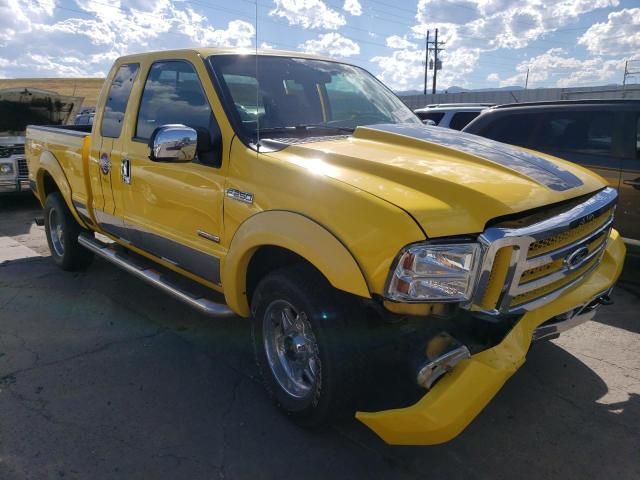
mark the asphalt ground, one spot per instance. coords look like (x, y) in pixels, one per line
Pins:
(103, 377)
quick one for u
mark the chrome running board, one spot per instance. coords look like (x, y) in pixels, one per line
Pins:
(151, 273)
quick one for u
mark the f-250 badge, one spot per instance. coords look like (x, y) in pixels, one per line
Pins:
(105, 164)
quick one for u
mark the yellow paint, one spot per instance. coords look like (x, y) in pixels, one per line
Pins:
(348, 206)
(297, 234)
(457, 398)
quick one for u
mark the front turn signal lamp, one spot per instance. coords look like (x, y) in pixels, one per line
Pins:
(435, 273)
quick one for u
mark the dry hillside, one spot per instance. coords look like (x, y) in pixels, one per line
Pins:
(89, 88)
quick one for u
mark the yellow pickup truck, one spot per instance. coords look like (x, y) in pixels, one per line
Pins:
(392, 270)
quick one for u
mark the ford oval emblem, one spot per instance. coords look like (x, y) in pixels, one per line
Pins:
(105, 164)
(576, 258)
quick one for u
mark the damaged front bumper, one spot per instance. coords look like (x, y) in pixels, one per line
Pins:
(460, 395)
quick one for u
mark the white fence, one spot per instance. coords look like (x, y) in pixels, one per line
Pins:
(518, 96)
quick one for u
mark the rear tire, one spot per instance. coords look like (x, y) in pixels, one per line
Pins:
(62, 232)
(306, 338)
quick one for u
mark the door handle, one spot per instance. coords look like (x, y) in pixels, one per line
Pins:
(125, 171)
(635, 183)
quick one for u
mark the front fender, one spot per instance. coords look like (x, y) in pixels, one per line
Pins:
(49, 165)
(300, 235)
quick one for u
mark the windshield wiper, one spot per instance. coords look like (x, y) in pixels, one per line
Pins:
(305, 128)
(328, 127)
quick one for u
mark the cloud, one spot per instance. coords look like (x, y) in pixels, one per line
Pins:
(331, 44)
(495, 24)
(556, 68)
(403, 69)
(353, 7)
(618, 35)
(396, 41)
(308, 14)
(86, 45)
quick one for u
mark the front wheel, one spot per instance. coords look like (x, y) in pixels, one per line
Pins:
(306, 342)
(62, 232)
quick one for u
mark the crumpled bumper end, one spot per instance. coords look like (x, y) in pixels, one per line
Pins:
(452, 404)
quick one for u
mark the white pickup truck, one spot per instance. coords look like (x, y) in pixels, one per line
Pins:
(20, 107)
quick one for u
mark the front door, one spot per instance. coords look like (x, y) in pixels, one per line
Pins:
(175, 209)
(629, 204)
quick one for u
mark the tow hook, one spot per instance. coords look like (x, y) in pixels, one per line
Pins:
(443, 352)
(605, 300)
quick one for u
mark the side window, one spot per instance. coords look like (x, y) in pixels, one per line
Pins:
(172, 94)
(588, 132)
(248, 99)
(116, 104)
(461, 119)
(347, 99)
(435, 116)
(512, 129)
(638, 139)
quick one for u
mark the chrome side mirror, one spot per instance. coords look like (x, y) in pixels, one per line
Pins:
(173, 143)
(428, 121)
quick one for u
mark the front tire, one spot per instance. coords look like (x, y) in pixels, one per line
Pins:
(306, 336)
(62, 232)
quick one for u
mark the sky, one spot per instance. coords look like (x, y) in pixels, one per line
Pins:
(488, 43)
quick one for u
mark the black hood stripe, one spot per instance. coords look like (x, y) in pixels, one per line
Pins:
(539, 169)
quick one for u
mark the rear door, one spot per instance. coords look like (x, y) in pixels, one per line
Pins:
(106, 147)
(629, 204)
(587, 137)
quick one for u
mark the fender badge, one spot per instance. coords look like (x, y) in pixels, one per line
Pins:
(246, 197)
(105, 164)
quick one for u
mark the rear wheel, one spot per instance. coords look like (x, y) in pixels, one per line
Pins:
(306, 338)
(62, 232)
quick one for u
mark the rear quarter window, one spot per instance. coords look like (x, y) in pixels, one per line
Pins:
(435, 116)
(117, 100)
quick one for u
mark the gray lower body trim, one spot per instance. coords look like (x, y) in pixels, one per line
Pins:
(194, 261)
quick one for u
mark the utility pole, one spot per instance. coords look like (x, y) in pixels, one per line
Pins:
(629, 73)
(426, 62)
(435, 64)
(526, 80)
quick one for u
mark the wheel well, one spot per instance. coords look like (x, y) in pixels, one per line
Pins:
(49, 185)
(267, 259)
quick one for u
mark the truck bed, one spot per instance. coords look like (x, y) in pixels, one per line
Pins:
(65, 144)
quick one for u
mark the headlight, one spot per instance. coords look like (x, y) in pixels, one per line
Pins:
(6, 168)
(432, 273)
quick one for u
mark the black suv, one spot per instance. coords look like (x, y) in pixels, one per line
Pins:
(602, 135)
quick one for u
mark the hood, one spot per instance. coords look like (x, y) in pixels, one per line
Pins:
(451, 183)
(20, 107)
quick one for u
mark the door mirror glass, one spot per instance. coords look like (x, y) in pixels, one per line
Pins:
(173, 143)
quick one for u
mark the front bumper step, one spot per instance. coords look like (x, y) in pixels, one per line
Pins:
(557, 325)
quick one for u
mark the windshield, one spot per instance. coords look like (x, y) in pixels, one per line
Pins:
(302, 97)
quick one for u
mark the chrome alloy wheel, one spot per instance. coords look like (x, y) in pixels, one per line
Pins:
(291, 349)
(56, 232)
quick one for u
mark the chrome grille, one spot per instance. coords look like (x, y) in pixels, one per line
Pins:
(543, 259)
(23, 170)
